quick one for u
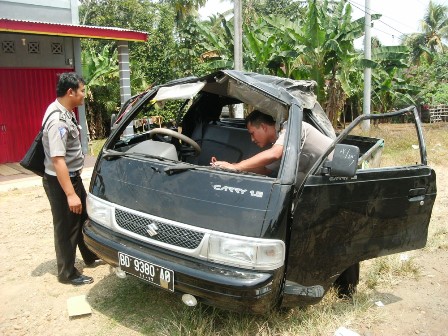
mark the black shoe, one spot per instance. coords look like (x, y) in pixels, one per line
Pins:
(95, 263)
(79, 280)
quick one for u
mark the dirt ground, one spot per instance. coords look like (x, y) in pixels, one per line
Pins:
(34, 303)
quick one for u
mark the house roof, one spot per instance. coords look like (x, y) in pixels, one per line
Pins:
(60, 29)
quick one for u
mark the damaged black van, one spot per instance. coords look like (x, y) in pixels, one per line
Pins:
(241, 241)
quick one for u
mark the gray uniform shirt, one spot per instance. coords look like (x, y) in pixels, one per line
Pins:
(275, 166)
(314, 144)
(61, 138)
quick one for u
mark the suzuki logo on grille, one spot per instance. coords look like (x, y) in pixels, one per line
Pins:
(152, 229)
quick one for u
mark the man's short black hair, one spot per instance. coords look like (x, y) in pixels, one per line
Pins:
(66, 81)
(257, 117)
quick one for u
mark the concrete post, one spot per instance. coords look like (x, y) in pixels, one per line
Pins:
(125, 77)
(365, 124)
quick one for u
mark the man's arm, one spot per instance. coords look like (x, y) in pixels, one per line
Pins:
(74, 202)
(256, 163)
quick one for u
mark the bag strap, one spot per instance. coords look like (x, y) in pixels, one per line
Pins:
(45, 122)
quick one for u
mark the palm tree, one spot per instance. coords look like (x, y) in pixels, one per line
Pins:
(185, 8)
(434, 27)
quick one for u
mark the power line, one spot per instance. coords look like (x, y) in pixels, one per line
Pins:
(402, 37)
(361, 8)
(356, 5)
(385, 16)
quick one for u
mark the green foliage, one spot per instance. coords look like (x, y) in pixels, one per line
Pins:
(154, 62)
(97, 66)
(185, 8)
(441, 95)
(100, 71)
(129, 14)
(318, 45)
(431, 79)
(313, 40)
(432, 38)
(291, 10)
(390, 88)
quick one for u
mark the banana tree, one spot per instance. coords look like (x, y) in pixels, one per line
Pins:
(100, 71)
(321, 47)
(217, 42)
(390, 87)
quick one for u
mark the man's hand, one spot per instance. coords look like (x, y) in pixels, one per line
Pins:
(74, 203)
(73, 200)
(224, 164)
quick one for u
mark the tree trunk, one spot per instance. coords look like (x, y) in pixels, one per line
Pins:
(335, 101)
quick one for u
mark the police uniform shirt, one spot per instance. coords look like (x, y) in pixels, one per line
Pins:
(61, 138)
(313, 145)
(275, 166)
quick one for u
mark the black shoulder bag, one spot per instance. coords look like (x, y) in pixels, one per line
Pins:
(34, 157)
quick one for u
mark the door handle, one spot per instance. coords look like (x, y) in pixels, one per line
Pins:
(417, 194)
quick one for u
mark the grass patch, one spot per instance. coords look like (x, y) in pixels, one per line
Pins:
(389, 270)
(203, 320)
(401, 143)
(150, 311)
(95, 146)
(438, 239)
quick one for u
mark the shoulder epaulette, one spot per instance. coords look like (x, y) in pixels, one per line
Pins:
(63, 117)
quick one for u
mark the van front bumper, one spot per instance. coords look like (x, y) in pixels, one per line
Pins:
(217, 285)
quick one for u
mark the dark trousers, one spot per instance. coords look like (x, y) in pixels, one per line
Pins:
(67, 226)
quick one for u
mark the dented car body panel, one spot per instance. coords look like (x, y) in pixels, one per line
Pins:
(241, 241)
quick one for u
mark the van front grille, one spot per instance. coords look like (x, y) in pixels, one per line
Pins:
(162, 232)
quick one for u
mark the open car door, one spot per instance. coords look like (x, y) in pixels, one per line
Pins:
(339, 221)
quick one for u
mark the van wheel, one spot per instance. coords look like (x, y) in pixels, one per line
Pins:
(346, 283)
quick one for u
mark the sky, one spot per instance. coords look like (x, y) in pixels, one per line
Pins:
(398, 16)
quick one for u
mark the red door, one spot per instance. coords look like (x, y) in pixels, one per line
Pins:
(24, 97)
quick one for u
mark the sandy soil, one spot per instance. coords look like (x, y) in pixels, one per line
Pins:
(34, 303)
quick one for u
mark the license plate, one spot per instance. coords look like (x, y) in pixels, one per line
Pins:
(155, 274)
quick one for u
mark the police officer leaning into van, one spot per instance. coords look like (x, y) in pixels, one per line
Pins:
(62, 181)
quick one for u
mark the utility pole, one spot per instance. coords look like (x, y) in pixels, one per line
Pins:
(238, 46)
(365, 124)
(238, 34)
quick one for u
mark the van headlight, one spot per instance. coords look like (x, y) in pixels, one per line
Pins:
(99, 211)
(263, 254)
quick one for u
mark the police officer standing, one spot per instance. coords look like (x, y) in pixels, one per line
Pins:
(62, 181)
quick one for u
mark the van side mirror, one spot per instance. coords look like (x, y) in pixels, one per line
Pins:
(344, 162)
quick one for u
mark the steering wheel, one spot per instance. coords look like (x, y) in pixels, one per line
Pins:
(189, 141)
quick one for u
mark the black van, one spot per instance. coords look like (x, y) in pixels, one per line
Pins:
(159, 211)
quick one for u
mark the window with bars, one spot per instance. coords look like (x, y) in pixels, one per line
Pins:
(8, 47)
(33, 48)
(56, 48)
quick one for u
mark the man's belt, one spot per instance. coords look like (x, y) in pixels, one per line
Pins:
(75, 173)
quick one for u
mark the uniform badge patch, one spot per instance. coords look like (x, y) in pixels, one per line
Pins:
(62, 131)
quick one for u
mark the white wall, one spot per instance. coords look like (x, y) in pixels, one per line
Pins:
(55, 11)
